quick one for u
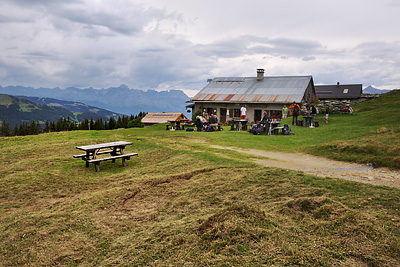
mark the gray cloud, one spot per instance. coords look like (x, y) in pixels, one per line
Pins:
(149, 46)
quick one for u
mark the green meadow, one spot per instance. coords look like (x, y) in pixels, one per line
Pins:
(183, 203)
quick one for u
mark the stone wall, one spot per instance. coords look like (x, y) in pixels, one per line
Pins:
(340, 105)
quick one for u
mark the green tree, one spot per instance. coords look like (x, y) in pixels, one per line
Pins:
(15, 131)
(194, 115)
(46, 128)
(136, 123)
(112, 124)
(32, 129)
(5, 128)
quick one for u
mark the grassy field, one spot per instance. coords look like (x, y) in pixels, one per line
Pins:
(182, 203)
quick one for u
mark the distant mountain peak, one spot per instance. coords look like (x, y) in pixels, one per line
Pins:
(123, 86)
(373, 90)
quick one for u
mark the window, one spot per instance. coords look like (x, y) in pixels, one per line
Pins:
(257, 115)
(345, 91)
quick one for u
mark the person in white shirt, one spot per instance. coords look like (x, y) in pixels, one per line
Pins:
(243, 112)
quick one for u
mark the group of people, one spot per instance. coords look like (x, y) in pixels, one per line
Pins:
(212, 121)
(206, 122)
(310, 110)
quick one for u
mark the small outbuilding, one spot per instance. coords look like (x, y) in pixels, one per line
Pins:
(164, 117)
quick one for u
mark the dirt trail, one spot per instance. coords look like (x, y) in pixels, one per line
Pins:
(324, 167)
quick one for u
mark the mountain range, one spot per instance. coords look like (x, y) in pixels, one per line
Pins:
(17, 110)
(77, 108)
(372, 90)
(117, 99)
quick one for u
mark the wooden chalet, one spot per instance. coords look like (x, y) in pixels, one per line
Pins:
(269, 93)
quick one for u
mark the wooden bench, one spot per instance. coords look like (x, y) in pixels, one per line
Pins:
(113, 158)
(98, 153)
(276, 130)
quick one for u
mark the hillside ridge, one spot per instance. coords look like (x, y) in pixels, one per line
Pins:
(117, 99)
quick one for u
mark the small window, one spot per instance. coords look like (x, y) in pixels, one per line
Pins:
(345, 91)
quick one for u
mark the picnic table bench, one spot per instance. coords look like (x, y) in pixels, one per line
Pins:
(115, 149)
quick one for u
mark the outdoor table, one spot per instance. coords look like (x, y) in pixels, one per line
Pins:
(307, 120)
(176, 125)
(115, 149)
(272, 127)
(241, 125)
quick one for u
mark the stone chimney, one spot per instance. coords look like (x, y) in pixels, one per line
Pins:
(260, 75)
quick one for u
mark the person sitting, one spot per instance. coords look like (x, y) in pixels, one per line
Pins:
(213, 122)
(265, 118)
(264, 121)
(200, 121)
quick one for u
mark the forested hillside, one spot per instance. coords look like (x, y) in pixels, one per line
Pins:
(17, 110)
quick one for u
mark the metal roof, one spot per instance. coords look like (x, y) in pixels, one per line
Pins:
(279, 89)
(341, 91)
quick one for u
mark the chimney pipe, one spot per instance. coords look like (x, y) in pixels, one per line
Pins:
(338, 84)
(260, 74)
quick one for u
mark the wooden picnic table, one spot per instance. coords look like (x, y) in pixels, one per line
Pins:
(176, 125)
(241, 125)
(273, 127)
(307, 120)
(115, 149)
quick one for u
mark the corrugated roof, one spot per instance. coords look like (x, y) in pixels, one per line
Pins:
(341, 91)
(279, 89)
(153, 118)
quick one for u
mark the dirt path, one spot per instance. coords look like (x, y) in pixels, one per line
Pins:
(324, 167)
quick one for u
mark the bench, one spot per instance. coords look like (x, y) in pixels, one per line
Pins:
(214, 127)
(98, 153)
(113, 158)
(276, 130)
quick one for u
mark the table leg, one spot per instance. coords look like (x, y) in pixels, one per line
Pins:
(114, 153)
(123, 159)
(87, 158)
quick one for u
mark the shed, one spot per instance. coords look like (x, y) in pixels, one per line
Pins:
(154, 118)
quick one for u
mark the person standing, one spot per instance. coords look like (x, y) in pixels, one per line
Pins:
(284, 112)
(313, 114)
(243, 111)
(295, 111)
(326, 113)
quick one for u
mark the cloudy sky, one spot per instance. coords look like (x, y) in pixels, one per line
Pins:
(179, 44)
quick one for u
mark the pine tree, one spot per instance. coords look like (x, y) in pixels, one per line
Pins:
(46, 128)
(112, 124)
(15, 131)
(5, 128)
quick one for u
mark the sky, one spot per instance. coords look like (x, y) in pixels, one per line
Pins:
(180, 44)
